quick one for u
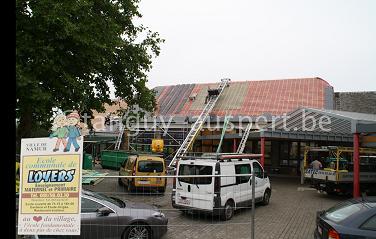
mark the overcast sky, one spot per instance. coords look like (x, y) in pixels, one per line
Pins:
(207, 40)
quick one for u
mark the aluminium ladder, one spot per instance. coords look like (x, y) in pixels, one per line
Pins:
(244, 139)
(197, 126)
(225, 122)
(119, 137)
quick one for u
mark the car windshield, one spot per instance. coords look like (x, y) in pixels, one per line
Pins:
(186, 169)
(118, 202)
(342, 211)
(149, 166)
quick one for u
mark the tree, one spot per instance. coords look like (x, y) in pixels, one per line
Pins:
(68, 51)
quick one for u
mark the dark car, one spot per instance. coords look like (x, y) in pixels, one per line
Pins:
(109, 217)
(352, 219)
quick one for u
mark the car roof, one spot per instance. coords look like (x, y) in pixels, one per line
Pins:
(368, 208)
(148, 157)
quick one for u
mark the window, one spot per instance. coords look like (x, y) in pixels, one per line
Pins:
(102, 197)
(294, 154)
(343, 211)
(284, 153)
(186, 169)
(258, 170)
(148, 166)
(242, 169)
(370, 224)
(130, 162)
(88, 205)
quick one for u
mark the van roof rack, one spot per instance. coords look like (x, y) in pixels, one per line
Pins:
(223, 156)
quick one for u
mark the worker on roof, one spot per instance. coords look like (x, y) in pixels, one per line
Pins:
(316, 164)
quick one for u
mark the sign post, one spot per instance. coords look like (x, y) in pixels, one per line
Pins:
(50, 182)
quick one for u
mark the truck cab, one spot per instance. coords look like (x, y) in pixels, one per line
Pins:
(336, 174)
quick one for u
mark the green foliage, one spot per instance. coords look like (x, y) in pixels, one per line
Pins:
(67, 51)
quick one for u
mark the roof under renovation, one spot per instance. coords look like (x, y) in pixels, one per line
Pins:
(248, 98)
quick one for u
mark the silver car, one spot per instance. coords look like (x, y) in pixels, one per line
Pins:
(109, 217)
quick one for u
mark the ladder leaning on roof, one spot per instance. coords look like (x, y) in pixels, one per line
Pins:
(196, 127)
(244, 139)
(225, 123)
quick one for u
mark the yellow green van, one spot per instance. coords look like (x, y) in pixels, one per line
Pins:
(143, 165)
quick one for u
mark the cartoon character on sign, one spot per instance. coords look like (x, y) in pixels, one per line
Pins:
(73, 120)
(60, 131)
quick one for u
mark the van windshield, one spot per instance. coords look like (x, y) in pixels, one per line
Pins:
(186, 169)
(148, 166)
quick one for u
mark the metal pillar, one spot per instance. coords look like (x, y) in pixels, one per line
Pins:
(262, 151)
(253, 205)
(356, 190)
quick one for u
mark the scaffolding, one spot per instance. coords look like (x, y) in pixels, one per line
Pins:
(141, 139)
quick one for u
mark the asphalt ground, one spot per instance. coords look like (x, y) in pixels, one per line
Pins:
(290, 213)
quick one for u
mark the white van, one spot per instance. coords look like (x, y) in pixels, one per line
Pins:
(219, 195)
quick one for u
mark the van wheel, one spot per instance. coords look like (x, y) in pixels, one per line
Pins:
(228, 211)
(266, 198)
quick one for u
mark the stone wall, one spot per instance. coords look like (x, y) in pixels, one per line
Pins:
(361, 102)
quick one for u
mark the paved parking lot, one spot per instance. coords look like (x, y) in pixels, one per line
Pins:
(290, 214)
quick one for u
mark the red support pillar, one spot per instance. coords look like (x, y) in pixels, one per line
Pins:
(356, 190)
(234, 148)
(262, 151)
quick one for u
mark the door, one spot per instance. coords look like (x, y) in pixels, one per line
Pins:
(195, 192)
(94, 225)
(150, 167)
(228, 185)
(122, 171)
(128, 169)
(259, 178)
(243, 190)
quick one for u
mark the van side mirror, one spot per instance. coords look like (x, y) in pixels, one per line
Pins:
(266, 174)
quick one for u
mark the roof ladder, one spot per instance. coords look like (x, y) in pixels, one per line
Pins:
(197, 126)
(244, 138)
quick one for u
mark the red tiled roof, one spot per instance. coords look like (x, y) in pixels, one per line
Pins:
(249, 98)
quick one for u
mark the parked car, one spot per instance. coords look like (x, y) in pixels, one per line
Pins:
(219, 196)
(352, 219)
(144, 165)
(110, 217)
